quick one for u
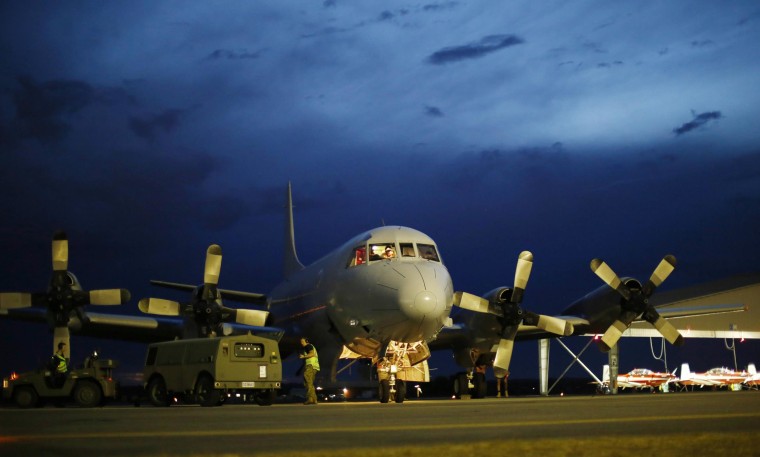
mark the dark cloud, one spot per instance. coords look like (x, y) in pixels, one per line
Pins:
(148, 127)
(41, 109)
(485, 46)
(698, 121)
(701, 43)
(433, 111)
(439, 6)
(228, 54)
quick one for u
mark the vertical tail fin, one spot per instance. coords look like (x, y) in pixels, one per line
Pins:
(685, 372)
(290, 262)
(752, 369)
(606, 374)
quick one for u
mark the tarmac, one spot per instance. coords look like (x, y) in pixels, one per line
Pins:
(663, 424)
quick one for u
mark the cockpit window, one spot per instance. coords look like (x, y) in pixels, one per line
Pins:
(382, 251)
(358, 256)
(407, 249)
(428, 251)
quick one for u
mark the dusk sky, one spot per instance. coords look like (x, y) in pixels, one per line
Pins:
(148, 130)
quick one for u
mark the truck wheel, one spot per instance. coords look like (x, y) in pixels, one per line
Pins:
(205, 393)
(400, 391)
(384, 391)
(264, 398)
(157, 394)
(25, 397)
(87, 394)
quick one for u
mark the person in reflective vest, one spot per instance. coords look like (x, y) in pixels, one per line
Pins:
(61, 365)
(311, 367)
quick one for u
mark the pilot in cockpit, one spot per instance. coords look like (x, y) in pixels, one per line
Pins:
(389, 252)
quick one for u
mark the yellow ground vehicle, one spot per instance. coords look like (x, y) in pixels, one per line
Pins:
(204, 370)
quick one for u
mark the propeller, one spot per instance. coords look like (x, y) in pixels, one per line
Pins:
(205, 308)
(636, 302)
(64, 295)
(506, 306)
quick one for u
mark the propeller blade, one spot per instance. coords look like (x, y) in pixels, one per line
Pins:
(612, 335)
(471, 302)
(14, 300)
(668, 331)
(503, 357)
(60, 252)
(522, 273)
(660, 274)
(555, 325)
(159, 307)
(213, 264)
(109, 296)
(252, 317)
(601, 269)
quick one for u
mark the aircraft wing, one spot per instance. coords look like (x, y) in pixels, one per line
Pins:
(235, 295)
(141, 329)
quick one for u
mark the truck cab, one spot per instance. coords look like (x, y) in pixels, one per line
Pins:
(206, 370)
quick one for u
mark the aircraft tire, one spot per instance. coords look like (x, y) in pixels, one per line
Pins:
(384, 391)
(460, 385)
(157, 394)
(87, 394)
(25, 397)
(400, 391)
(479, 381)
(205, 393)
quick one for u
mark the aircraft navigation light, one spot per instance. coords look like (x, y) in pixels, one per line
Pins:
(353, 322)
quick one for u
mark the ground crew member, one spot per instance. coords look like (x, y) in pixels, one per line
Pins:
(61, 365)
(311, 367)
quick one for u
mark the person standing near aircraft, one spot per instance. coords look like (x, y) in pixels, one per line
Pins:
(311, 367)
(60, 364)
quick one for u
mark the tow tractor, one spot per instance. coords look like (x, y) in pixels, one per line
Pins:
(88, 386)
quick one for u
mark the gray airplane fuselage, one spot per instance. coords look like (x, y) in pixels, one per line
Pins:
(352, 295)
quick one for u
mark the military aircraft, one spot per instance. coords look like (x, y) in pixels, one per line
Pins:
(714, 377)
(382, 294)
(638, 378)
(385, 295)
(62, 305)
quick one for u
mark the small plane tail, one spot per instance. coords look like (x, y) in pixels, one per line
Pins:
(291, 264)
(606, 374)
(751, 369)
(685, 372)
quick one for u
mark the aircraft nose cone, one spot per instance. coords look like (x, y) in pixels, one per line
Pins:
(425, 302)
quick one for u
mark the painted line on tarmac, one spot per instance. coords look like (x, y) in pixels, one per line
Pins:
(367, 428)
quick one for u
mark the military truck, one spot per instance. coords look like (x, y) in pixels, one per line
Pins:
(89, 386)
(207, 370)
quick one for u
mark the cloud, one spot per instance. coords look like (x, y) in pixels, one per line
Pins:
(486, 45)
(232, 55)
(147, 127)
(433, 111)
(41, 108)
(698, 121)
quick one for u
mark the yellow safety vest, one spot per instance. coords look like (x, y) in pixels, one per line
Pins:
(313, 361)
(62, 366)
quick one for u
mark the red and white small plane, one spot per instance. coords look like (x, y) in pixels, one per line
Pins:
(639, 378)
(714, 377)
(753, 380)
